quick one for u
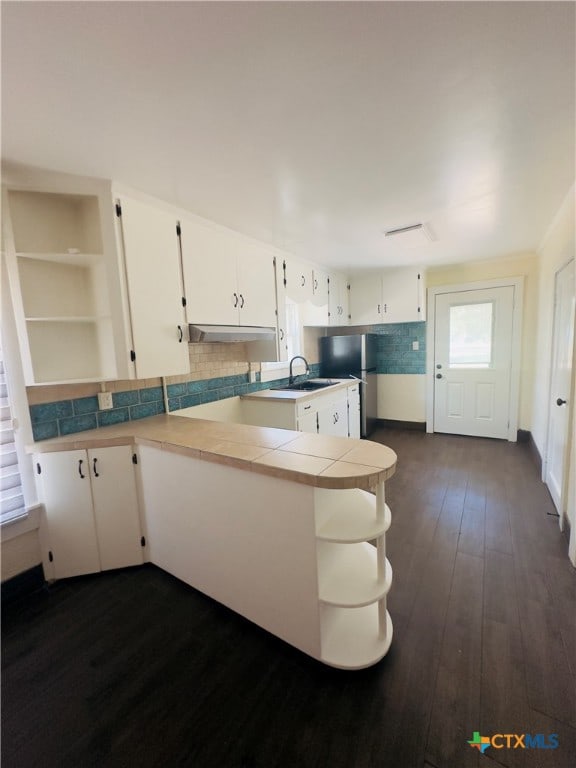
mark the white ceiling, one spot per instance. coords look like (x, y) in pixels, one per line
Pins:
(312, 126)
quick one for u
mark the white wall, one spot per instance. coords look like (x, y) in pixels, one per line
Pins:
(20, 554)
(402, 397)
(557, 248)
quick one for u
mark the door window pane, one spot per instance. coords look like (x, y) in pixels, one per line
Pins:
(471, 335)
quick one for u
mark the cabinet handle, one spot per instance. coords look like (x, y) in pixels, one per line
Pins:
(385, 308)
(80, 461)
(235, 299)
(94, 468)
(307, 407)
(241, 301)
(180, 337)
(281, 334)
(315, 284)
(378, 308)
(303, 281)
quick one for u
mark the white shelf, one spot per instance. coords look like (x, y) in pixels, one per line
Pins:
(348, 516)
(351, 638)
(348, 574)
(77, 259)
(66, 319)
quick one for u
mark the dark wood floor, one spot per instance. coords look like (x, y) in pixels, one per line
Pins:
(133, 668)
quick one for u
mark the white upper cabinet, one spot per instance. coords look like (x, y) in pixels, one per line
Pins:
(402, 295)
(338, 299)
(228, 280)
(299, 279)
(152, 260)
(391, 296)
(256, 285)
(62, 280)
(366, 299)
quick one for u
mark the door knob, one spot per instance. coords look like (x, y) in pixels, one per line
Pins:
(560, 401)
(438, 375)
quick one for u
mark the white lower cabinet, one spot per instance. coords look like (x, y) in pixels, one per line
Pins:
(91, 510)
(333, 417)
(299, 566)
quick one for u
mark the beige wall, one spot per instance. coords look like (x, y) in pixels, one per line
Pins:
(558, 247)
(525, 265)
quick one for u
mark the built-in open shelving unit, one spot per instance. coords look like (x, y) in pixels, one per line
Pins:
(354, 576)
(59, 265)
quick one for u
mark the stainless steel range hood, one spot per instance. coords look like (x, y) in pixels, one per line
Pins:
(209, 333)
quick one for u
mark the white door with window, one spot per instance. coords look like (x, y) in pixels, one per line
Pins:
(473, 352)
(561, 375)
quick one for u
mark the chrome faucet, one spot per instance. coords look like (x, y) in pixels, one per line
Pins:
(297, 357)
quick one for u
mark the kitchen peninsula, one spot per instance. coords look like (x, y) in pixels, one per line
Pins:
(272, 523)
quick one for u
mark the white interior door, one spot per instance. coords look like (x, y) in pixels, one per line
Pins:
(473, 337)
(561, 374)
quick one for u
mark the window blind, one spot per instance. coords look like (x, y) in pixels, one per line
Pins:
(12, 504)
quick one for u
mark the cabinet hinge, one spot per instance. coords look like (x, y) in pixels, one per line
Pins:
(274, 260)
(178, 230)
(50, 557)
(132, 356)
(143, 542)
(118, 210)
(134, 459)
(317, 423)
(284, 270)
(418, 277)
(38, 468)
(418, 309)
(183, 301)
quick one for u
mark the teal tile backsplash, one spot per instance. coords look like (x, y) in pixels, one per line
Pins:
(65, 417)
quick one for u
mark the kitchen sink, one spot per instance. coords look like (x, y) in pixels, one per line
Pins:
(305, 386)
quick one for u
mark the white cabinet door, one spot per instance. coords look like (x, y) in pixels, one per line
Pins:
(333, 419)
(209, 259)
(338, 299)
(354, 411)
(256, 286)
(366, 299)
(402, 296)
(152, 259)
(65, 490)
(316, 310)
(308, 419)
(115, 507)
(299, 280)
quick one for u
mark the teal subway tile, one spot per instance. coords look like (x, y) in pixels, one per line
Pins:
(114, 416)
(51, 411)
(124, 399)
(241, 389)
(210, 396)
(193, 387)
(143, 410)
(174, 404)
(160, 406)
(85, 405)
(225, 392)
(45, 430)
(74, 424)
(151, 393)
(176, 390)
(187, 401)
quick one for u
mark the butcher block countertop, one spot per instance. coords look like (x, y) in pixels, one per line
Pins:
(317, 460)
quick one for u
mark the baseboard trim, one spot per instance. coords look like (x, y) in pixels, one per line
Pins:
(418, 426)
(535, 453)
(22, 584)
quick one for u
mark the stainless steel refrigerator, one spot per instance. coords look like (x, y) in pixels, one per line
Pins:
(353, 356)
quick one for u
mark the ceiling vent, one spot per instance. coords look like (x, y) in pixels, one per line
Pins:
(412, 236)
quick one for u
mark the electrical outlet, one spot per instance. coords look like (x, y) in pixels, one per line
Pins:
(415, 346)
(253, 377)
(105, 401)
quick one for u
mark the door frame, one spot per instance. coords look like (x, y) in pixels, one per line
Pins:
(568, 453)
(502, 282)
